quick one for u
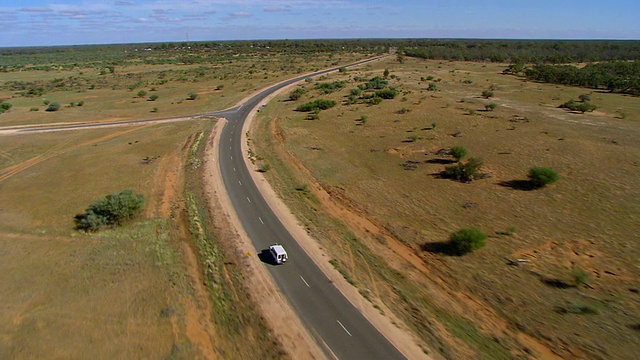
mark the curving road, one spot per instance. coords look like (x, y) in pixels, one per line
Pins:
(337, 325)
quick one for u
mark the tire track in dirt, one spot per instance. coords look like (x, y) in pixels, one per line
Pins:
(58, 150)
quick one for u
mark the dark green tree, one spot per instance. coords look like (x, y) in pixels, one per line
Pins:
(112, 210)
(458, 152)
(539, 176)
(466, 240)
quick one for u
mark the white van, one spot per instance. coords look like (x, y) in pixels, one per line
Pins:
(279, 254)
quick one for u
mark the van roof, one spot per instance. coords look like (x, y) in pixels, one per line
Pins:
(278, 249)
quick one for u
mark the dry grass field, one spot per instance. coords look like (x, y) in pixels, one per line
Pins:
(366, 181)
(118, 293)
(107, 96)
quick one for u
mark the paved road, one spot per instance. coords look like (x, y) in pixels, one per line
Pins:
(338, 327)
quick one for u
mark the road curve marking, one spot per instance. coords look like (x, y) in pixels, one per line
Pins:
(306, 283)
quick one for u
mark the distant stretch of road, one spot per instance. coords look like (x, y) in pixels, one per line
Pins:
(337, 325)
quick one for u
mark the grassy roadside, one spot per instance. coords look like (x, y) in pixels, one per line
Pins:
(381, 164)
(241, 328)
(365, 269)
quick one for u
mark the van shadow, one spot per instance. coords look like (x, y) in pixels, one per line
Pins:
(266, 257)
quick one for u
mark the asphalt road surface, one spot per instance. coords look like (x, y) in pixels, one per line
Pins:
(336, 324)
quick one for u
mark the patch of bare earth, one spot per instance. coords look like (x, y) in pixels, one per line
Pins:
(165, 203)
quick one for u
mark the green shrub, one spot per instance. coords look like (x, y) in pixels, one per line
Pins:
(153, 97)
(540, 176)
(490, 107)
(329, 87)
(458, 152)
(387, 93)
(192, 96)
(433, 87)
(81, 103)
(487, 94)
(466, 240)
(53, 106)
(296, 94)
(5, 106)
(580, 277)
(584, 97)
(464, 172)
(112, 210)
(317, 105)
(142, 93)
(583, 107)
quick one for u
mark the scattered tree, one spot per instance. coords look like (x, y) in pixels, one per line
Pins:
(4, 106)
(142, 93)
(458, 152)
(464, 172)
(540, 176)
(386, 73)
(584, 97)
(112, 210)
(53, 106)
(487, 94)
(466, 240)
(317, 105)
(296, 94)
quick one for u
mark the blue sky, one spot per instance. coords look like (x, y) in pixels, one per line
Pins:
(74, 22)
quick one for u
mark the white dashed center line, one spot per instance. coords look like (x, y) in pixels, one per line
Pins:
(344, 328)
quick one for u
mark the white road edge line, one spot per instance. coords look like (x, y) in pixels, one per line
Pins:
(306, 283)
(249, 200)
(259, 218)
(240, 182)
(344, 328)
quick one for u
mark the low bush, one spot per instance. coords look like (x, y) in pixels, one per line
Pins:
(317, 105)
(464, 172)
(466, 240)
(458, 152)
(487, 94)
(539, 176)
(53, 106)
(112, 210)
